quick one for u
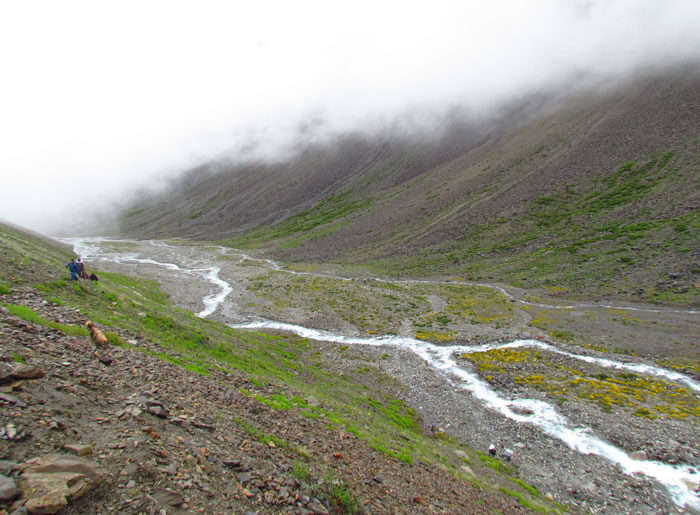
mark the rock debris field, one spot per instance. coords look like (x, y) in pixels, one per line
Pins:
(142, 436)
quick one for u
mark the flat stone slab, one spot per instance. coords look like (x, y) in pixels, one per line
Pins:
(51, 463)
(78, 449)
(51, 482)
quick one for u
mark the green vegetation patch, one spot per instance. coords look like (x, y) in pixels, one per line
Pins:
(380, 307)
(329, 210)
(615, 234)
(369, 305)
(27, 259)
(610, 390)
(29, 315)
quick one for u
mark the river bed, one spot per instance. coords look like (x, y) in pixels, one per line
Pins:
(566, 458)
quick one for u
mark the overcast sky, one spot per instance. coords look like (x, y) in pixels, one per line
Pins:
(99, 97)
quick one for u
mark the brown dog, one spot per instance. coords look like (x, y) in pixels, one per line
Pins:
(97, 336)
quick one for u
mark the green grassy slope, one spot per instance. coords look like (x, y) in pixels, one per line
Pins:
(27, 258)
(632, 231)
(363, 403)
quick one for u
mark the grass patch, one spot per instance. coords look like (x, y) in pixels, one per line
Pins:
(625, 392)
(494, 463)
(332, 208)
(29, 315)
(300, 470)
(529, 488)
(523, 500)
(341, 495)
(24, 313)
(114, 339)
(259, 435)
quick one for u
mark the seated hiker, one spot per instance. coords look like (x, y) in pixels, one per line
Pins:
(93, 277)
(82, 274)
(73, 268)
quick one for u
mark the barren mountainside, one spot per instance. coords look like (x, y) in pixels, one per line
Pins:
(597, 193)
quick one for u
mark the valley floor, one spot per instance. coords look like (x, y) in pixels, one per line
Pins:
(626, 374)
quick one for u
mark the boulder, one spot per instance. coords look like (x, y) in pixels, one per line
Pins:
(9, 375)
(51, 463)
(27, 372)
(51, 502)
(8, 489)
(156, 408)
(51, 482)
(49, 492)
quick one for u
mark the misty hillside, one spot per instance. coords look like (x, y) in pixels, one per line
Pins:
(599, 194)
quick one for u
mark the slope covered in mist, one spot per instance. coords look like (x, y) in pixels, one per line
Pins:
(595, 193)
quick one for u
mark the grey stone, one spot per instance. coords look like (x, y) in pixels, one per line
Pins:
(467, 469)
(27, 372)
(6, 467)
(12, 399)
(639, 455)
(243, 478)
(79, 449)
(8, 489)
(312, 401)
(156, 409)
(48, 492)
(50, 502)
(317, 507)
(52, 463)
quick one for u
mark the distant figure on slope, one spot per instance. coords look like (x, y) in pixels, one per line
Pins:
(81, 269)
(73, 267)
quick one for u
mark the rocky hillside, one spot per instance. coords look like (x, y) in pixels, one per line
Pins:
(596, 193)
(185, 415)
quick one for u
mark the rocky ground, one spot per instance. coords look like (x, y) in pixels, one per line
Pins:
(122, 431)
(581, 481)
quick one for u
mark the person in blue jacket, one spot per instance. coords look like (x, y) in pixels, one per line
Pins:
(73, 267)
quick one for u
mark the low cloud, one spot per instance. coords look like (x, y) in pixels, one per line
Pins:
(99, 100)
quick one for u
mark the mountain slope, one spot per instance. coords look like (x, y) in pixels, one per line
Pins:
(189, 414)
(597, 194)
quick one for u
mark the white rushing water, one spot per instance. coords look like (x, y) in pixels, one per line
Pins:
(90, 249)
(676, 479)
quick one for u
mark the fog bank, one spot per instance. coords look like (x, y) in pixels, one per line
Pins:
(99, 100)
